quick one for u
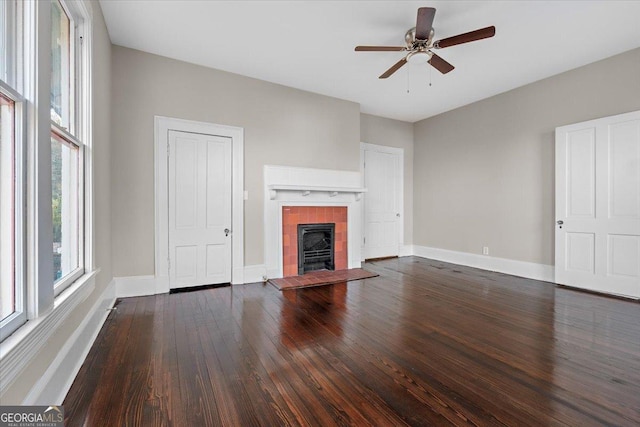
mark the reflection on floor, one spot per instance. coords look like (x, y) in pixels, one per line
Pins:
(328, 305)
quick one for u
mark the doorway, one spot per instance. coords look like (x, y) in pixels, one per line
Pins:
(382, 172)
(199, 204)
(598, 205)
(199, 209)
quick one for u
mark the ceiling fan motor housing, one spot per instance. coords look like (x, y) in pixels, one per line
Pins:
(414, 44)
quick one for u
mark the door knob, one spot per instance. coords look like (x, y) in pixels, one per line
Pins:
(226, 231)
(398, 215)
(560, 222)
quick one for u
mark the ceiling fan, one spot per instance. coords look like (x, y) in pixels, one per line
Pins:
(420, 44)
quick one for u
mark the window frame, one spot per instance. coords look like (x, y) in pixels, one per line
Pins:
(29, 85)
(19, 315)
(78, 133)
(65, 137)
(9, 18)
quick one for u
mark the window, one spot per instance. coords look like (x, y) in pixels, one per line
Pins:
(7, 207)
(12, 183)
(7, 219)
(61, 65)
(7, 25)
(66, 151)
(41, 255)
(64, 189)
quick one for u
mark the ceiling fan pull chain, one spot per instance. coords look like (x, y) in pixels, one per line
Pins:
(430, 71)
(408, 83)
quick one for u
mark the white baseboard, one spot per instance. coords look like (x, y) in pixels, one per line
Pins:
(254, 273)
(138, 286)
(274, 273)
(56, 381)
(528, 270)
(406, 250)
(237, 277)
(135, 286)
(19, 349)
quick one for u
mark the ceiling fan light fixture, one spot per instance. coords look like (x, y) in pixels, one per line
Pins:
(419, 57)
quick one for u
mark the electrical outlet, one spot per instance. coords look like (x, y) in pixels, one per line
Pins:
(485, 250)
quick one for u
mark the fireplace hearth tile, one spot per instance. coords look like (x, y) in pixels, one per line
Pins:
(321, 277)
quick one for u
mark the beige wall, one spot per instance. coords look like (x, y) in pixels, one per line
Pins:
(102, 147)
(283, 126)
(484, 173)
(16, 393)
(394, 133)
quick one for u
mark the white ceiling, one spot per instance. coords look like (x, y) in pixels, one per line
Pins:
(309, 45)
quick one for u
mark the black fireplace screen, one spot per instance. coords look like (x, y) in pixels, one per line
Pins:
(315, 247)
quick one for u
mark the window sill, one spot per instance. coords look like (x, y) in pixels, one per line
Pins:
(17, 350)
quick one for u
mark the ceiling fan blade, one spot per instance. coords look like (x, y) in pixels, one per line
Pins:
(471, 36)
(440, 64)
(393, 69)
(424, 22)
(379, 48)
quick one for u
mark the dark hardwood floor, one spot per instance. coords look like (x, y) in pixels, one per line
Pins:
(425, 343)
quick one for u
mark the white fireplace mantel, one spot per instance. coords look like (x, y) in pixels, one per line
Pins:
(291, 186)
(308, 189)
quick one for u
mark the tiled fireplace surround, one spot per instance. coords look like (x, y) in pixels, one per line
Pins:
(294, 215)
(295, 196)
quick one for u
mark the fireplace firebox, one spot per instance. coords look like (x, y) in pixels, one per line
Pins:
(316, 247)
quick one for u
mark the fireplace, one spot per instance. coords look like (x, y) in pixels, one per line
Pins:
(324, 224)
(315, 247)
(295, 196)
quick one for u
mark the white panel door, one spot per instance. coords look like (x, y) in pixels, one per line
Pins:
(598, 205)
(199, 209)
(382, 202)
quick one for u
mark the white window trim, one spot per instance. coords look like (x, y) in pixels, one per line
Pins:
(45, 313)
(76, 14)
(85, 120)
(19, 317)
(18, 350)
(9, 22)
(76, 235)
(80, 133)
(33, 49)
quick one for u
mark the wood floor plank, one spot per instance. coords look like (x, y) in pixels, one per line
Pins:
(424, 343)
(110, 371)
(89, 375)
